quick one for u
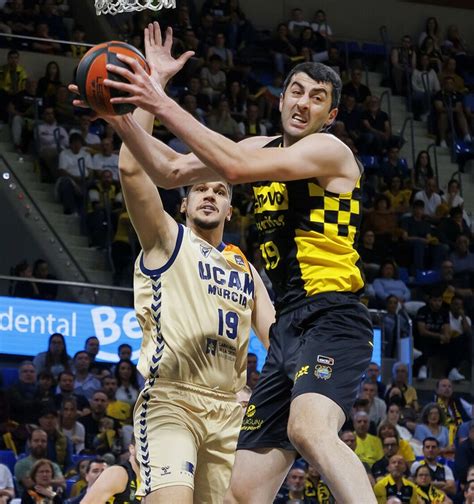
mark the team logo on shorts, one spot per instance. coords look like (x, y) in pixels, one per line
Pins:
(251, 409)
(205, 251)
(322, 372)
(323, 359)
(165, 470)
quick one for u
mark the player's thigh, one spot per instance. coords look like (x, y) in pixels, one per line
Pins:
(258, 474)
(170, 495)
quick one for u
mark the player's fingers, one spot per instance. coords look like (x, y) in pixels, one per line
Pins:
(74, 89)
(131, 62)
(123, 99)
(169, 38)
(156, 33)
(146, 39)
(184, 57)
(121, 86)
(123, 72)
(80, 103)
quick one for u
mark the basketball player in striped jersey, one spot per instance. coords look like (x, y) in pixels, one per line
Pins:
(195, 299)
(306, 185)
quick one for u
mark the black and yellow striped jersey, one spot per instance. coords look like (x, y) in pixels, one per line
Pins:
(308, 237)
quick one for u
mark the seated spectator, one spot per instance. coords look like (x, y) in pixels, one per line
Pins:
(41, 271)
(38, 443)
(403, 62)
(388, 283)
(454, 411)
(431, 30)
(237, 98)
(252, 379)
(355, 87)
(213, 78)
(383, 221)
(78, 35)
(431, 198)
(394, 417)
(12, 75)
(464, 457)
(425, 84)
(222, 51)
(106, 159)
(368, 447)
(393, 166)
(432, 425)
(69, 425)
(386, 429)
(419, 237)
(63, 107)
(75, 168)
(7, 488)
(395, 484)
(400, 381)
(449, 70)
(368, 390)
(376, 131)
(44, 489)
(65, 390)
(19, 19)
(336, 62)
(49, 83)
(50, 14)
(56, 358)
(315, 488)
(314, 43)
(453, 226)
(24, 289)
(127, 380)
(22, 397)
(469, 492)
(119, 410)
(452, 285)
(297, 22)
(430, 49)
(370, 254)
(395, 326)
(52, 139)
(59, 448)
(398, 196)
(222, 122)
(373, 374)
(95, 467)
(45, 387)
(98, 369)
(42, 32)
(441, 475)
(320, 25)
(423, 170)
(445, 100)
(80, 477)
(351, 116)
(390, 447)
(461, 258)
(90, 139)
(22, 111)
(426, 489)
(282, 48)
(252, 125)
(85, 382)
(295, 486)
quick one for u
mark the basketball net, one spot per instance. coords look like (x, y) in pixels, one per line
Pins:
(117, 6)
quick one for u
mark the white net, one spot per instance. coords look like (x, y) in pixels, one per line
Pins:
(117, 6)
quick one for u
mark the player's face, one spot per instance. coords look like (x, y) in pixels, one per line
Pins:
(208, 205)
(306, 107)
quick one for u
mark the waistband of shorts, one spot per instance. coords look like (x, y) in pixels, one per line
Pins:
(350, 297)
(192, 387)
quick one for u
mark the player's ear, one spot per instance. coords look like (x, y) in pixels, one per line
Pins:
(332, 117)
(183, 207)
(280, 103)
(229, 214)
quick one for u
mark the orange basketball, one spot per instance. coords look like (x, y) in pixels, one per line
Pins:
(91, 73)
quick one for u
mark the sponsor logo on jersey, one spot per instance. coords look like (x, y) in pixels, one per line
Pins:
(271, 197)
(238, 259)
(211, 346)
(322, 372)
(323, 359)
(205, 251)
(220, 349)
(303, 371)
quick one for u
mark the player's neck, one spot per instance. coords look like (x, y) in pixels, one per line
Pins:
(212, 236)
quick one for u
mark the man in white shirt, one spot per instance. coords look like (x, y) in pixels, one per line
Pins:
(430, 198)
(378, 407)
(90, 139)
(52, 139)
(7, 489)
(106, 160)
(297, 22)
(75, 166)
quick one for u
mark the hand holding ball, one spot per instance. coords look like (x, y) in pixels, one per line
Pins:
(92, 72)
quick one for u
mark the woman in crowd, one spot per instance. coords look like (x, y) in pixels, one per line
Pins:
(43, 491)
(56, 358)
(127, 380)
(431, 30)
(432, 425)
(387, 429)
(69, 425)
(49, 83)
(423, 170)
(426, 491)
(388, 284)
(394, 413)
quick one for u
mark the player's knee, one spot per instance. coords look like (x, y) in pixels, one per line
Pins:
(305, 439)
(233, 496)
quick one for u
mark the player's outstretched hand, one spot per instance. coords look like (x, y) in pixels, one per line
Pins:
(158, 54)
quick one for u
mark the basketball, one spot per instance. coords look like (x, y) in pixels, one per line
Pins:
(92, 71)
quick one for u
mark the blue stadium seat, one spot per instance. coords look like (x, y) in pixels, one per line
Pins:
(373, 49)
(403, 275)
(426, 277)
(69, 483)
(9, 377)
(77, 458)
(351, 46)
(370, 163)
(7, 457)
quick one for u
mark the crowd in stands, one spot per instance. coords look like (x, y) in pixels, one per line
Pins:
(415, 244)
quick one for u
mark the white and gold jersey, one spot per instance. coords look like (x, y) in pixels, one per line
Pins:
(195, 314)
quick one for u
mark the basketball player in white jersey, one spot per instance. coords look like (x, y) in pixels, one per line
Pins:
(196, 299)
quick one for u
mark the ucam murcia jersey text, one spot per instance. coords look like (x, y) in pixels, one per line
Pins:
(195, 314)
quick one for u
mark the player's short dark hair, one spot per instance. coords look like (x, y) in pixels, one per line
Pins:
(319, 73)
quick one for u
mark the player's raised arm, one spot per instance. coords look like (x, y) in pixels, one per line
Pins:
(263, 314)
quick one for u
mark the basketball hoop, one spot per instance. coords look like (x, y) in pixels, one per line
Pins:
(117, 6)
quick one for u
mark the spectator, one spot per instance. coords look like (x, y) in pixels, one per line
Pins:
(394, 484)
(222, 51)
(469, 492)
(42, 32)
(315, 487)
(403, 62)
(387, 429)
(252, 361)
(461, 258)
(12, 75)
(94, 469)
(213, 78)
(314, 43)
(432, 425)
(390, 447)
(370, 254)
(432, 331)
(398, 196)
(237, 98)
(24, 289)
(464, 456)
(320, 25)
(355, 87)
(431, 30)
(65, 390)
(394, 326)
(44, 489)
(449, 70)
(454, 412)
(419, 237)
(441, 475)
(430, 197)
(22, 110)
(85, 382)
(24, 403)
(107, 159)
(425, 84)
(297, 23)
(56, 358)
(124, 248)
(282, 48)
(430, 49)
(251, 125)
(394, 417)
(425, 488)
(423, 170)
(373, 374)
(394, 166)
(69, 425)
(376, 131)
(400, 381)
(295, 485)
(52, 139)
(75, 168)
(59, 447)
(38, 443)
(80, 476)
(222, 121)
(45, 387)
(41, 271)
(49, 84)
(453, 226)
(451, 285)
(78, 35)
(387, 283)
(91, 422)
(252, 379)
(458, 347)
(445, 101)
(350, 115)
(383, 221)
(7, 489)
(368, 447)
(89, 138)
(119, 410)
(92, 347)
(126, 374)
(63, 107)
(377, 406)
